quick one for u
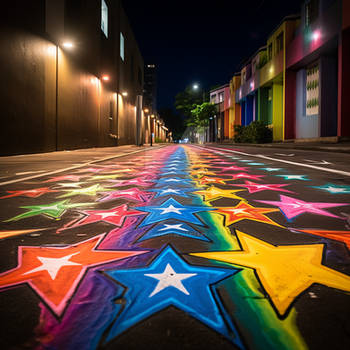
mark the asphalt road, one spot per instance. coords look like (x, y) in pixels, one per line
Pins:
(216, 247)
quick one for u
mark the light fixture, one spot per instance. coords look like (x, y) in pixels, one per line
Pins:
(195, 86)
(124, 93)
(105, 77)
(146, 110)
(316, 35)
(68, 44)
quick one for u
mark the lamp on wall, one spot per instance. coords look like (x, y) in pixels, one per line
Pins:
(105, 77)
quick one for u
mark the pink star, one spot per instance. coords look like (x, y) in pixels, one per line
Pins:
(292, 207)
(37, 192)
(254, 187)
(91, 170)
(246, 176)
(131, 193)
(115, 216)
(142, 181)
(233, 168)
(65, 177)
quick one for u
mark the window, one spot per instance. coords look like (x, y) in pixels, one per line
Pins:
(279, 42)
(269, 52)
(311, 12)
(213, 98)
(221, 97)
(312, 90)
(139, 76)
(122, 46)
(104, 18)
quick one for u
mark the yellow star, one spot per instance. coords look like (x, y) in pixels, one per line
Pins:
(284, 271)
(214, 193)
(200, 173)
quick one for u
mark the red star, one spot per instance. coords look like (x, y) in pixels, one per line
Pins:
(113, 216)
(244, 211)
(246, 176)
(342, 236)
(233, 168)
(65, 177)
(37, 192)
(210, 180)
(54, 273)
(254, 187)
(130, 193)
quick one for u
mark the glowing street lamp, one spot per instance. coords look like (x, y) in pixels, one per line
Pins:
(124, 93)
(146, 110)
(195, 86)
(105, 77)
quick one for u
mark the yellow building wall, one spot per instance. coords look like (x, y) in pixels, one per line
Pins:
(277, 111)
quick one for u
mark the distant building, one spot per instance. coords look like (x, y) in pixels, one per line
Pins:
(72, 76)
(150, 88)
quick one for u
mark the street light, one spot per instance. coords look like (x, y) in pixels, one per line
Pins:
(124, 93)
(195, 86)
(68, 45)
(105, 77)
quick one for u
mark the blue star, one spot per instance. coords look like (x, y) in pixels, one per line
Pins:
(161, 192)
(178, 181)
(255, 163)
(272, 169)
(294, 177)
(334, 189)
(173, 172)
(175, 228)
(171, 209)
(171, 281)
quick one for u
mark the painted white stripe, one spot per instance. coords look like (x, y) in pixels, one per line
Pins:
(73, 167)
(334, 171)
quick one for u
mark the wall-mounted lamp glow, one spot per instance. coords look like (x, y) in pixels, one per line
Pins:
(105, 77)
(316, 35)
(68, 45)
(124, 93)
(146, 110)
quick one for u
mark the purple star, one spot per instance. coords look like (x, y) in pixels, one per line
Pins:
(292, 207)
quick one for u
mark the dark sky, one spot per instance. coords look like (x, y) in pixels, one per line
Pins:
(201, 41)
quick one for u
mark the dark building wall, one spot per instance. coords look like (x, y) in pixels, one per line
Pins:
(53, 98)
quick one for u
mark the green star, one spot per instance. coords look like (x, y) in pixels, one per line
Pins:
(87, 191)
(52, 210)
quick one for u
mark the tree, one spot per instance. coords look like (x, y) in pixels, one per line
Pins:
(186, 100)
(201, 114)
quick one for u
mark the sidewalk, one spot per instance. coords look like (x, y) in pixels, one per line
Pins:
(342, 147)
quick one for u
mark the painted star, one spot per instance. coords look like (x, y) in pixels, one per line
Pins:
(179, 229)
(341, 236)
(244, 211)
(161, 192)
(52, 210)
(294, 177)
(233, 168)
(14, 233)
(211, 180)
(201, 173)
(54, 273)
(115, 216)
(171, 281)
(91, 170)
(173, 180)
(254, 187)
(245, 160)
(65, 178)
(271, 169)
(292, 207)
(334, 189)
(171, 209)
(141, 181)
(109, 176)
(213, 193)
(173, 172)
(284, 271)
(255, 163)
(87, 191)
(246, 176)
(69, 185)
(34, 193)
(131, 193)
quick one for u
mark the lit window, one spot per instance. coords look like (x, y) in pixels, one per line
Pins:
(221, 97)
(104, 18)
(122, 46)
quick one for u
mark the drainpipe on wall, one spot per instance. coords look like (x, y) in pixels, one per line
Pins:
(138, 120)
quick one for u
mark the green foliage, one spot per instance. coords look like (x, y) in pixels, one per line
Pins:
(186, 100)
(255, 132)
(158, 140)
(200, 114)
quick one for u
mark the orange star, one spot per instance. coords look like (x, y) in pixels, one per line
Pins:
(54, 273)
(211, 180)
(342, 236)
(244, 211)
(201, 172)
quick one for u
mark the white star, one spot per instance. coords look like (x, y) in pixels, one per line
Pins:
(237, 211)
(272, 169)
(170, 209)
(169, 190)
(53, 265)
(335, 189)
(52, 207)
(172, 180)
(171, 227)
(169, 278)
(295, 177)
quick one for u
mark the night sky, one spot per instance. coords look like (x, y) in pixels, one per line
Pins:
(191, 41)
